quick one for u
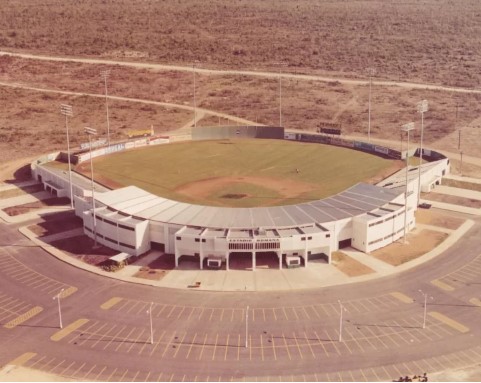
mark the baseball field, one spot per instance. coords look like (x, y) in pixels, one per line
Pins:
(241, 173)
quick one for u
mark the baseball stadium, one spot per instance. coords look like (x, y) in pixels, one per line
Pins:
(238, 192)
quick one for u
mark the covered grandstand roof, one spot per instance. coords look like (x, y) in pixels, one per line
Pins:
(354, 201)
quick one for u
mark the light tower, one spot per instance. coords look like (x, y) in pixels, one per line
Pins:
(92, 132)
(66, 110)
(422, 107)
(105, 75)
(406, 128)
(371, 72)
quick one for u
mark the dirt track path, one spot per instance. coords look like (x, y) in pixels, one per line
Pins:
(408, 85)
(201, 112)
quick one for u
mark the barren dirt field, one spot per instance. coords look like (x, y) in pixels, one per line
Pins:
(434, 41)
(429, 41)
(419, 242)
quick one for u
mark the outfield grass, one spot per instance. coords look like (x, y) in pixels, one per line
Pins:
(285, 172)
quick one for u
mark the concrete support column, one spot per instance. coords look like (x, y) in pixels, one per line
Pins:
(201, 261)
(176, 254)
(227, 260)
(305, 258)
(279, 254)
(253, 261)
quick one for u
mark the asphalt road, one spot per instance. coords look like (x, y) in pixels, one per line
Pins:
(201, 336)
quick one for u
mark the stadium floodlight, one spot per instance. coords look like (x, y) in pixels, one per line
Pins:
(371, 72)
(281, 64)
(195, 114)
(105, 75)
(406, 128)
(422, 107)
(92, 132)
(66, 110)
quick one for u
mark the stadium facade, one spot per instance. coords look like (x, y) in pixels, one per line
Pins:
(366, 217)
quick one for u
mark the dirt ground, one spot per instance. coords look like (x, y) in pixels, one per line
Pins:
(157, 269)
(82, 248)
(33, 206)
(348, 265)
(419, 242)
(151, 274)
(285, 187)
(455, 200)
(429, 217)
(20, 191)
(56, 223)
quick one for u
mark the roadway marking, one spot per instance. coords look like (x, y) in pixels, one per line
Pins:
(157, 343)
(215, 345)
(68, 330)
(67, 292)
(287, 347)
(309, 344)
(273, 348)
(203, 346)
(226, 347)
(22, 359)
(402, 297)
(24, 317)
(238, 347)
(442, 285)
(191, 345)
(450, 322)
(110, 303)
(475, 301)
(111, 375)
(321, 343)
(262, 348)
(179, 345)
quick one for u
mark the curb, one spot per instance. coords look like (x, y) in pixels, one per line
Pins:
(447, 243)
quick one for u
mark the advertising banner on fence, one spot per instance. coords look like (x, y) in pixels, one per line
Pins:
(289, 136)
(139, 143)
(158, 141)
(381, 149)
(114, 148)
(341, 142)
(95, 144)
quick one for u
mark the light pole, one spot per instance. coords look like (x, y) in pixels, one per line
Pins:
(425, 295)
(280, 92)
(406, 128)
(341, 307)
(151, 327)
(422, 108)
(247, 324)
(90, 132)
(105, 75)
(371, 72)
(461, 169)
(195, 113)
(66, 110)
(57, 297)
